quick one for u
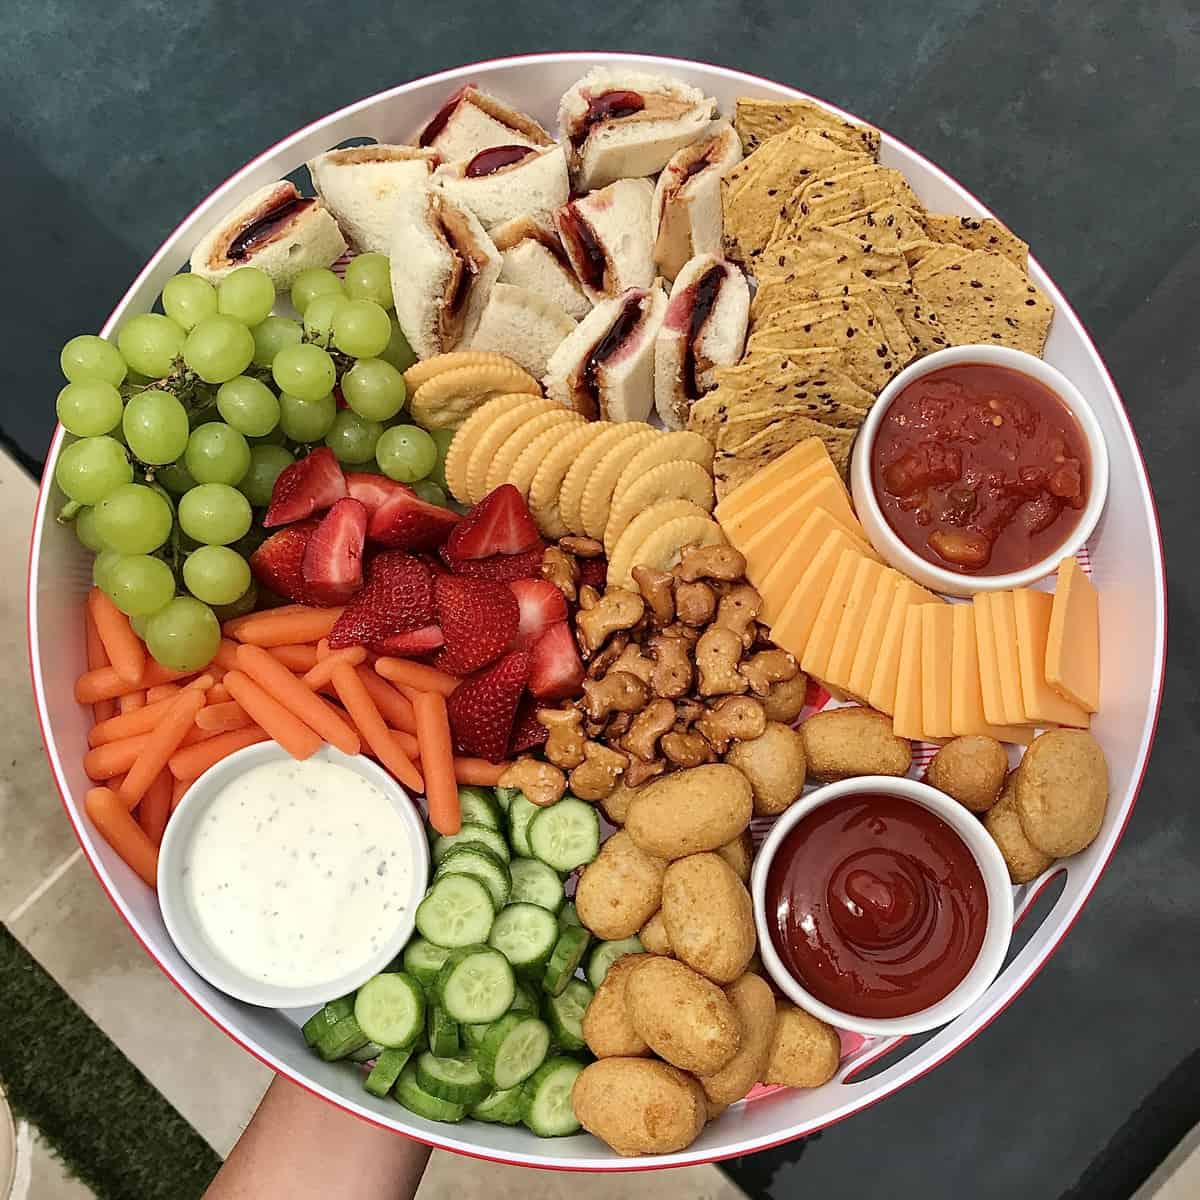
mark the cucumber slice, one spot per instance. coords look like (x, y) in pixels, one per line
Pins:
(525, 934)
(535, 883)
(564, 961)
(366, 1053)
(526, 999)
(485, 835)
(471, 858)
(473, 1035)
(456, 911)
(568, 916)
(546, 1098)
(565, 1014)
(386, 1071)
(607, 953)
(323, 1018)
(566, 835)
(478, 807)
(520, 813)
(442, 1032)
(500, 1108)
(476, 985)
(423, 960)
(455, 1079)
(390, 1009)
(513, 1048)
(341, 1040)
(504, 796)
(417, 1100)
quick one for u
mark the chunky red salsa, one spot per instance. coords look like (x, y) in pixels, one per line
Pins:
(876, 906)
(980, 469)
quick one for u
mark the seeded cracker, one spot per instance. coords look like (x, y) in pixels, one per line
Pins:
(803, 248)
(976, 233)
(757, 120)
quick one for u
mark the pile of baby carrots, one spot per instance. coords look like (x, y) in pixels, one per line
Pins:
(273, 677)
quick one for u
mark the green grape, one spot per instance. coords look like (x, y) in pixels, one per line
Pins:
(90, 468)
(406, 453)
(219, 348)
(318, 317)
(374, 389)
(352, 438)
(134, 519)
(89, 408)
(441, 439)
(270, 336)
(139, 585)
(369, 277)
(214, 514)
(248, 405)
(361, 328)
(188, 299)
(306, 420)
(245, 603)
(102, 565)
(217, 453)
(91, 357)
(216, 574)
(246, 294)
(150, 343)
(398, 352)
(306, 371)
(138, 624)
(175, 478)
(429, 491)
(184, 635)
(86, 532)
(316, 281)
(155, 426)
(266, 462)
(275, 438)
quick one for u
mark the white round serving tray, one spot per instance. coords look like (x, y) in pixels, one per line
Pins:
(1127, 563)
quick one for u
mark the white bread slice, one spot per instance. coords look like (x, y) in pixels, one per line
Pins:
(615, 221)
(629, 144)
(686, 213)
(691, 343)
(294, 234)
(444, 267)
(471, 120)
(534, 258)
(621, 386)
(359, 186)
(525, 326)
(534, 186)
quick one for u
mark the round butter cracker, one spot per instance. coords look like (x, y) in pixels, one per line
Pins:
(439, 364)
(525, 469)
(494, 434)
(458, 456)
(668, 481)
(664, 546)
(624, 555)
(570, 496)
(671, 447)
(500, 469)
(446, 400)
(598, 490)
(547, 484)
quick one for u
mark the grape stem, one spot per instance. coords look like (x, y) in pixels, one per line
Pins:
(69, 512)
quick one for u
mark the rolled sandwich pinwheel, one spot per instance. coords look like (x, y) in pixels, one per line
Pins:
(704, 328)
(275, 229)
(605, 369)
(504, 182)
(534, 258)
(471, 120)
(606, 235)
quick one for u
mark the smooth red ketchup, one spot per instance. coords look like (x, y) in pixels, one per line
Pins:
(876, 906)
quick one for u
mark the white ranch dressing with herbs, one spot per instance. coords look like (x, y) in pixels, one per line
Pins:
(298, 872)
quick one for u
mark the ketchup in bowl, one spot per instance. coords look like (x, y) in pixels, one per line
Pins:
(876, 905)
(980, 469)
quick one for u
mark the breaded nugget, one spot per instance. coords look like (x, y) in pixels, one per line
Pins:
(654, 935)
(708, 916)
(1062, 791)
(639, 1106)
(785, 700)
(739, 854)
(754, 1003)
(841, 743)
(1023, 859)
(804, 1051)
(607, 1028)
(971, 769)
(690, 811)
(620, 890)
(774, 764)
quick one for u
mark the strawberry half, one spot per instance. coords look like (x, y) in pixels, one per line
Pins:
(482, 709)
(502, 568)
(396, 600)
(333, 558)
(478, 619)
(528, 732)
(309, 485)
(541, 604)
(373, 490)
(555, 669)
(278, 563)
(413, 643)
(406, 522)
(499, 524)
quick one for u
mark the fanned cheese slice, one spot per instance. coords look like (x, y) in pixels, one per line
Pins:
(795, 622)
(868, 576)
(1042, 703)
(1073, 639)
(966, 694)
(908, 719)
(937, 646)
(866, 652)
(815, 661)
(801, 455)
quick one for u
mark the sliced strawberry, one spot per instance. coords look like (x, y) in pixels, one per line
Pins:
(478, 618)
(333, 558)
(373, 490)
(397, 599)
(309, 485)
(555, 669)
(413, 643)
(405, 522)
(503, 568)
(482, 709)
(499, 524)
(528, 732)
(541, 605)
(593, 572)
(277, 564)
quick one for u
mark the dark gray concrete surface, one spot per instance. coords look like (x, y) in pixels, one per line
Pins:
(1079, 123)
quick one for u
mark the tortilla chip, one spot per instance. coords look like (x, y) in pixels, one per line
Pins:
(979, 233)
(936, 257)
(741, 427)
(827, 207)
(919, 322)
(803, 249)
(732, 468)
(892, 228)
(757, 120)
(832, 279)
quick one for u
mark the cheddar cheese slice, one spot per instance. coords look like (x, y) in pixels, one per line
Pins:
(1042, 703)
(1073, 639)
(937, 647)
(966, 696)
(815, 660)
(773, 512)
(868, 575)
(1004, 637)
(882, 691)
(907, 721)
(985, 652)
(777, 577)
(802, 455)
(873, 624)
(794, 624)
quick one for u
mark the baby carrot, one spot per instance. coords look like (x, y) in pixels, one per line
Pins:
(141, 720)
(322, 673)
(298, 699)
(123, 647)
(118, 828)
(322, 648)
(479, 771)
(178, 788)
(155, 807)
(131, 702)
(217, 694)
(229, 628)
(281, 723)
(279, 627)
(102, 709)
(105, 684)
(372, 726)
(437, 762)
(416, 675)
(396, 709)
(226, 655)
(295, 658)
(113, 758)
(406, 742)
(177, 722)
(221, 718)
(164, 691)
(189, 763)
